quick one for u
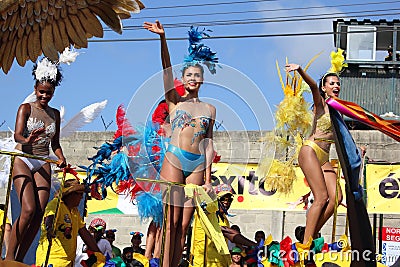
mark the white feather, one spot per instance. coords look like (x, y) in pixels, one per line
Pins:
(68, 56)
(6, 144)
(85, 116)
(30, 98)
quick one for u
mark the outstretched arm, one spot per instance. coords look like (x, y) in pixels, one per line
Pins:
(171, 96)
(310, 81)
(236, 237)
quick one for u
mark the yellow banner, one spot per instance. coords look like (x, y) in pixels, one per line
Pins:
(383, 191)
(383, 188)
(249, 194)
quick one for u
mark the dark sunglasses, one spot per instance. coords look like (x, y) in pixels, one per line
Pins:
(227, 199)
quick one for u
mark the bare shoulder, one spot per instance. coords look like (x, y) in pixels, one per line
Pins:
(24, 108)
(212, 110)
(211, 107)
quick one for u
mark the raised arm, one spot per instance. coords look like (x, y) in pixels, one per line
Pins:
(171, 96)
(317, 99)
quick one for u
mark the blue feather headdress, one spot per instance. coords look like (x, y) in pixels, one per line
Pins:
(198, 52)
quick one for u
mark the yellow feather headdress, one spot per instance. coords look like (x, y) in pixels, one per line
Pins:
(337, 62)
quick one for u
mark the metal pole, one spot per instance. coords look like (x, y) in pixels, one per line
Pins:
(165, 221)
(28, 156)
(10, 175)
(380, 232)
(374, 219)
(55, 216)
(336, 203)
(283, 224)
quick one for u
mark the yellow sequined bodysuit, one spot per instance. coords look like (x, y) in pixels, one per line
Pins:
(322, 137)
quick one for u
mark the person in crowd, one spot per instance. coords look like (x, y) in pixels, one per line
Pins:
(110, 236)
(136, 241)
(153, 239)
(7, 228)
(237, 258)
(259, 236)
(61, 225)
(133, 259)
(314, 154)
(37, 126)
(389, 57)
(213, 258)
(97, 228)
(230, 244)
(190, 151)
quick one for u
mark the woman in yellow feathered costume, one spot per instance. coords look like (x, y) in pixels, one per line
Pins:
(314, 154)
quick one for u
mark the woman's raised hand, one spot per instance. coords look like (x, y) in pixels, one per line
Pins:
(156, 27)
(34, 135)
(292, 67)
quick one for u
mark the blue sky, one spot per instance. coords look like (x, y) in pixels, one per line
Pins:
(245, 89)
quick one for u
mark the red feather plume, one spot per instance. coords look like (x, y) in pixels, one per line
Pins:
(124, 127)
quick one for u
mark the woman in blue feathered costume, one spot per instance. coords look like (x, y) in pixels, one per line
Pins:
(190, 151)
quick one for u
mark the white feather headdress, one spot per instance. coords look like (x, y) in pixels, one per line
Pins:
(47, 70)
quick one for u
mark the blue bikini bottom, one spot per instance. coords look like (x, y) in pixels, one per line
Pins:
(189, 161)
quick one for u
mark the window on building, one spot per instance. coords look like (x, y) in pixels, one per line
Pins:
(361, 43)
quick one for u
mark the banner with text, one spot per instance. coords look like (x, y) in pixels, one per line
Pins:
(383, 191)
(383, 188)
(250, 194)
(390, 245)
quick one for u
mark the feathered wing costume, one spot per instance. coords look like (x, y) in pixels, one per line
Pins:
(30, 28)
(293, 123)
(83, 117)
